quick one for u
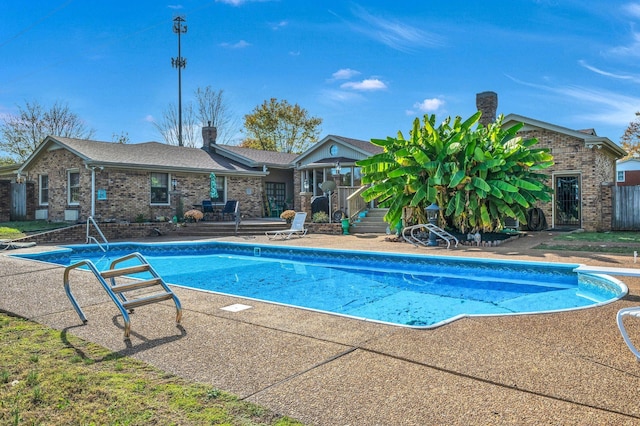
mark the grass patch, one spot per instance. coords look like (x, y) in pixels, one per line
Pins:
(588, 248)
(595, 242)
(601, 237)
(13, 230)
(50, 377)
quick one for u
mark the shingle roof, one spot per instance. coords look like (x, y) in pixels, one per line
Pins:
(260, 157)
(363, 145)
(148, 155)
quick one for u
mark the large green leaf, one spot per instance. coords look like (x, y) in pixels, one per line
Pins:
(480, 184)
(457, 178)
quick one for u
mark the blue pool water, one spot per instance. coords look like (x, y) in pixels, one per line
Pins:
(402, 289)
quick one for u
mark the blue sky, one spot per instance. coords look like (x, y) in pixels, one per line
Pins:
(366, 68)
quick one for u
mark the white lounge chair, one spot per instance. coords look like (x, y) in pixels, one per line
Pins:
(297, 228)
(630, 312)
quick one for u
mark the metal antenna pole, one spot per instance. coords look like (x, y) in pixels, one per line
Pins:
(179, 63)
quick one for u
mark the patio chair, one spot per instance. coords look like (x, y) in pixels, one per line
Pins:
(273, 208)
(628, 312)
(297, 228)
(230, 209)
(207, 208)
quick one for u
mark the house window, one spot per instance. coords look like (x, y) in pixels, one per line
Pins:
(73, 187)
(620, 175)
(44, 190)
(159, 188)
(277, 191)
(220, 187)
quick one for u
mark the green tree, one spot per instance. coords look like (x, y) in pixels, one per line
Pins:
(478, 176)
(630, 140)
(280, 126)
(22, 133)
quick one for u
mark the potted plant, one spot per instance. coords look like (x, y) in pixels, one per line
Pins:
(193, 215)
(288, 215)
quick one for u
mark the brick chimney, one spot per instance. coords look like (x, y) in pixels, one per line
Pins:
(209, 136)
(487, 102)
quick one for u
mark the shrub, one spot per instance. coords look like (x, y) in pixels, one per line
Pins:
(320, 217)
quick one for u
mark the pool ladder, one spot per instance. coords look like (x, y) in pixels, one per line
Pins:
(439, 232)
(117, 291)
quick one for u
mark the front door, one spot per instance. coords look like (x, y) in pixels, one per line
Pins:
(567, 208)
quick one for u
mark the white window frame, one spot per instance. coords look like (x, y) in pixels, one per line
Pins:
(69, 187)
(169, 178)
(41, 188)
(623, 176)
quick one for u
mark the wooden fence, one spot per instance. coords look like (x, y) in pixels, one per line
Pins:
(626, 208)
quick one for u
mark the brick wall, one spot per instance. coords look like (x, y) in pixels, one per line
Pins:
(128, 191)
(77, 234)
(631, 178)
(595, 168)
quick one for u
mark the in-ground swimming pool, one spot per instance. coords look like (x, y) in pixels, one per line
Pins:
(402, 289)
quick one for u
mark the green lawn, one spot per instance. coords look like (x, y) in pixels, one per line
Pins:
(595, 242)
(601, 237)
(50, 377)
(13, 230)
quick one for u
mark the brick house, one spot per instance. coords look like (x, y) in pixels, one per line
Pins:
(75, 179)
(628, 172)
(582, 177)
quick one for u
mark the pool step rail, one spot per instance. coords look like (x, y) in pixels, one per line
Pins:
(117, 289)
(410, 234)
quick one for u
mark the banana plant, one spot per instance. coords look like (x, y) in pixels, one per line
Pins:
(477, 175)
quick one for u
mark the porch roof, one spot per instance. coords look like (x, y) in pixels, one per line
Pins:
(257, 158)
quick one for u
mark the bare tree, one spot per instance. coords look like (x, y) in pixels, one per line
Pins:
(22, 133)
(630, 140)
(211, 108)
(214, 109)
(168, 126)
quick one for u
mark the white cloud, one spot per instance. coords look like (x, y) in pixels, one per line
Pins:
(396, 34)
(340, 96)
(149, 118)
(239, 2)
(294, 53)
(429, 105)
(606, 73)
(632, 9)
(344, 74)
(175, 6)
(279, 25)
(633, 49)
(606, 107)
(239, 45)
(367, 84)
(231, 2)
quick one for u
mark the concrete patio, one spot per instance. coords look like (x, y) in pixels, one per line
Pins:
(564, 368)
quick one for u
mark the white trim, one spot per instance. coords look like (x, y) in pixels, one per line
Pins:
(624, 175)
(40, 202)
(169, 189)
(69, 172)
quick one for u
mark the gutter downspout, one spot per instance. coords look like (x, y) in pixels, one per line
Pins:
(93, 189)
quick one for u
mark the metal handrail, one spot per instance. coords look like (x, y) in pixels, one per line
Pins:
(112, 273)
(431, 228)
(112, 295)
(355, 203)
(91, 238)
